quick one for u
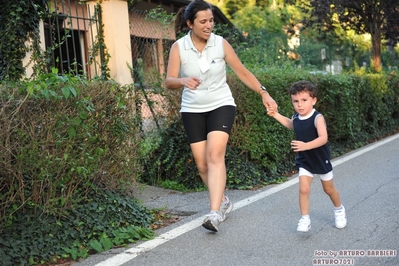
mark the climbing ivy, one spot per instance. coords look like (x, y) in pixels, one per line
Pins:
(19, 25)
(19, 28)
(99, 47)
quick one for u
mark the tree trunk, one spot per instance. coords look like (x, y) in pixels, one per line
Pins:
(376, 48)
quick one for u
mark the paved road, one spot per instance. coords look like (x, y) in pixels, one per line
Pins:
(262, 228)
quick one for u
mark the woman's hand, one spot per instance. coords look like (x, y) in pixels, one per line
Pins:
(269, 103)
(190, 83)
(271, 111)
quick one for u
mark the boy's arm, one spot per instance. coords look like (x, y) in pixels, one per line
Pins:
(321, 131)
(317, 142)
(285, 121)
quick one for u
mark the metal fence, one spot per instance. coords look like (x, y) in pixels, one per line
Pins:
(70, 28)
(151, 40)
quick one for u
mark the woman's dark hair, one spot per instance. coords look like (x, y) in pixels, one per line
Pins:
(189, 13)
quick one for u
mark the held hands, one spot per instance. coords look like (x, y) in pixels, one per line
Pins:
(270, 104)
(190, 83)
(271, 111)
(272, 108)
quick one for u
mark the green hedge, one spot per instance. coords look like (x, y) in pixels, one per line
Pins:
(61, 136)
(358, 108)
(68, 143)
(67, 162)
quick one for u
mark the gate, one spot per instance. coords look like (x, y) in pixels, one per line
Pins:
(70, 30)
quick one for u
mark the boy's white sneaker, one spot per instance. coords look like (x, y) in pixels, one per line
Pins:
(303, 225)
(340, 218)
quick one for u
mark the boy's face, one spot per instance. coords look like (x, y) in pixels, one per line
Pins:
(303, 103)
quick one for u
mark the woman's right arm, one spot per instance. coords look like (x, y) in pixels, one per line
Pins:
(173, 81)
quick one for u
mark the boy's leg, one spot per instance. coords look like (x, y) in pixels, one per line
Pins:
(304, 192)
(331, 191)
(339, 212)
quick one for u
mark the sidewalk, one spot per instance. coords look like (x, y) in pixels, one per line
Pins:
(261, 230)
(184, 206)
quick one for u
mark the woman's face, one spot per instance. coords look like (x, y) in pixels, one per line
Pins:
(203, 24)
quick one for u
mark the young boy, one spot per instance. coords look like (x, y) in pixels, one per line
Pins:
(313, 154)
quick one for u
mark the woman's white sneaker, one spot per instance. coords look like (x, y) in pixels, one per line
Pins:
(212, 220)
(226, 207)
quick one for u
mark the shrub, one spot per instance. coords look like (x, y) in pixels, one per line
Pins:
(68, 159)
(72, 148)
(357, 109)
(171, 160)
(60, 135)
(103, 220)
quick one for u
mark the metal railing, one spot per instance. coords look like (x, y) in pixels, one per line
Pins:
(70, 30)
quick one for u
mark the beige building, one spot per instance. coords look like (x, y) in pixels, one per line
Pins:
(70, 33)
(133, 42)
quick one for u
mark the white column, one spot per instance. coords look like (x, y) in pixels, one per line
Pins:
(27, 63)
(115, 18)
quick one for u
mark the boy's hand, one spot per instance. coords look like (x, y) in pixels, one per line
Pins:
(269, 102)
(271, 111)
(297, 146)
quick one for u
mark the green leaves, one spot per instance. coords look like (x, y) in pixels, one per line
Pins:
(19, 24)
(357, 108)
(53, 86)
(67, 91)
(104, 220)
(104, 244)
(63, 136)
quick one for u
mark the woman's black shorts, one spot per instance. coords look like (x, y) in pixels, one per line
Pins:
(198, 125)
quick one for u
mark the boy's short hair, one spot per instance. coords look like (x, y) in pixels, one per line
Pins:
(303, 85)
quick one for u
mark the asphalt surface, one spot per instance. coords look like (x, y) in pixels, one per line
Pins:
(261, 230)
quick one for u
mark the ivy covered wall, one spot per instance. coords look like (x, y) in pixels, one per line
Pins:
(19, 23)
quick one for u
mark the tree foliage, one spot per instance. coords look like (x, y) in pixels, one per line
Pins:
(230, 7)
(378, 18)
(278, 20)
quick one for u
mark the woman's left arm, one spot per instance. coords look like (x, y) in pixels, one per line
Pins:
(246, 76)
